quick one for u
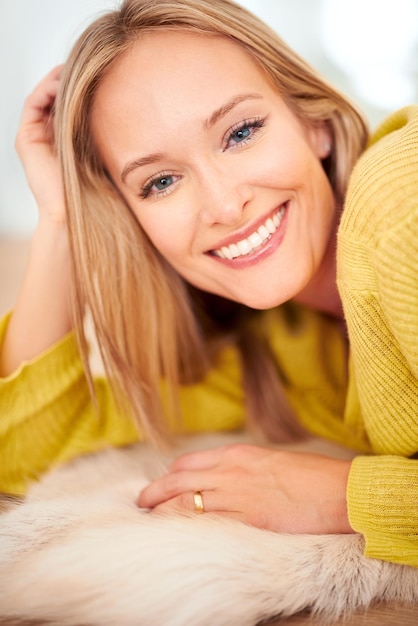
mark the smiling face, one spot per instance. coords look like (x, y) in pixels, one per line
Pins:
(222, 176)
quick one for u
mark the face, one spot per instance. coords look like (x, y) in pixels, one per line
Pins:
(225, 180)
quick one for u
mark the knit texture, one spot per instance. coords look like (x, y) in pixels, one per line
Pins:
(378, 282)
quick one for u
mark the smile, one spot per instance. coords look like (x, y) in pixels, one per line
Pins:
(258, 238)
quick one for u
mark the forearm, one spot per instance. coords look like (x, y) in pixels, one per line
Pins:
(47, 416)
(42, 314)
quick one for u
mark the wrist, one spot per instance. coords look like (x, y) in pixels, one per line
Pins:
(342, 519)
(51, 226)
(50, 238)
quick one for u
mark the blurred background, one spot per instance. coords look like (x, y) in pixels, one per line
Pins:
(367, 48)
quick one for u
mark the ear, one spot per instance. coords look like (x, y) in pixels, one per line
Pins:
(320, 140)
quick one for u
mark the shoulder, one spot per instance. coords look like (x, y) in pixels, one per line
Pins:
(383, 188)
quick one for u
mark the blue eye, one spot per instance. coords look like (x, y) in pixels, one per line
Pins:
(243, 132)
(163, 182)
(157, 185)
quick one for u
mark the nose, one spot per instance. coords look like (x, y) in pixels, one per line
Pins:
(224, 194)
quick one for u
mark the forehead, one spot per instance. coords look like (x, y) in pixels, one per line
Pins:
(176, 71)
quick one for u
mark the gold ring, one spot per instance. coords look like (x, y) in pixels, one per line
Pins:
(198, 502)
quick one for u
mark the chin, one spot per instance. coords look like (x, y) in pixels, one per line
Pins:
(259, 303)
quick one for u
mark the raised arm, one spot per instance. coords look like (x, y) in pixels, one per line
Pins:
(42, 314)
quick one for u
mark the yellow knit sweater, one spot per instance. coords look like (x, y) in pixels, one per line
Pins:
(47, 417)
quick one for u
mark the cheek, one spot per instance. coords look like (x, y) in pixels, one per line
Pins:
(168, 232)
(282, 165)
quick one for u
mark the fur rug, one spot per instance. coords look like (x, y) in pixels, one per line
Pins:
(78, 552)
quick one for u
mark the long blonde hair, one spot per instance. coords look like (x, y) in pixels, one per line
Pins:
(150, 325)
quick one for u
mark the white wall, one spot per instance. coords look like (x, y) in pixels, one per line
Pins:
(378, 67)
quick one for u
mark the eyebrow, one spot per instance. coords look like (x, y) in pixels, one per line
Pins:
(146, 160)
(208, 123)
(228, 106)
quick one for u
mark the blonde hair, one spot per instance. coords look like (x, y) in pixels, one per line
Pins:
(150, 325)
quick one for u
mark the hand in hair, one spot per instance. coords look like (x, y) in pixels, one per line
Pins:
(292, 492)
(35, 147)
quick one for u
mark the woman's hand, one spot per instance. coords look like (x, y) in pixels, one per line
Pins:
(278, 490)
(36, 149)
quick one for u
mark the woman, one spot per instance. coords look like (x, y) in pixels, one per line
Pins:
(226, 260)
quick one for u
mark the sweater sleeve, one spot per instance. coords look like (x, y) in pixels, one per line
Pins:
(47, 415)
(382, 499)
(378, 281)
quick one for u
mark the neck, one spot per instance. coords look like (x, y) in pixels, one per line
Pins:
(321, 293)
(324, 298)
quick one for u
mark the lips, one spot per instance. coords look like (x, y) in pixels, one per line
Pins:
(259, 237)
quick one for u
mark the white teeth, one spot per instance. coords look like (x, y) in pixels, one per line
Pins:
(270, 225)
(263, 232)
(244, 246)
(226, 252)
(234, 250)
(257, 238)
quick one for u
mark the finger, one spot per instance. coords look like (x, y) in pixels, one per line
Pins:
(42, 97)
(222, 504)
(202, 460)
(174, 484)
(213, 502)
(39, 103)
(233, 454)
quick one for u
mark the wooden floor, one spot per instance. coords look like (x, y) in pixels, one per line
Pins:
(13, 259)
(384, 615)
